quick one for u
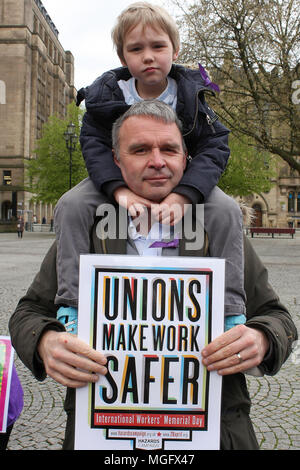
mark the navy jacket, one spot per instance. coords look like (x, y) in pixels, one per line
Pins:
(206, 138)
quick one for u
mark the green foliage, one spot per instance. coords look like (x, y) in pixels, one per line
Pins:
(249, 170)
(48, 173)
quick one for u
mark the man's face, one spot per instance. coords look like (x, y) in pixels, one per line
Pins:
(152, 160)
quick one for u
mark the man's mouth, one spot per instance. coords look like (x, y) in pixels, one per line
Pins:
(158, 179)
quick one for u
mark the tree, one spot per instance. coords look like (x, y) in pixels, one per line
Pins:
(251, 49)
(48, 172)
(248, 171)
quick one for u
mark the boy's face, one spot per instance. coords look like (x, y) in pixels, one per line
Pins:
(149, 55)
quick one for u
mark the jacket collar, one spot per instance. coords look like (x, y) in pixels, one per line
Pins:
(105, 99)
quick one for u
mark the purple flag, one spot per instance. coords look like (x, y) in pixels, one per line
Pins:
(207, 81)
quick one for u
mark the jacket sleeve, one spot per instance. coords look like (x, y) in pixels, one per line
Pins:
(264, 311)
(209, 151)
(96, 146)
(34, 314)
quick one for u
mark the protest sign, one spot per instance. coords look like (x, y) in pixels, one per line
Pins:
(151, 317)
(6, 363)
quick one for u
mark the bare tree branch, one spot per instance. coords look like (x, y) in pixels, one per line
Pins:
(251, 48)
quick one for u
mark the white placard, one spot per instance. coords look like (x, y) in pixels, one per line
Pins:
(151, 317)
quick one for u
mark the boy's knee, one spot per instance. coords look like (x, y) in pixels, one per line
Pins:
(221, 204)
(230, 206)
(69, 204)
(71, 211)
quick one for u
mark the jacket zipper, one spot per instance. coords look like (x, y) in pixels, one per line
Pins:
(210, 121)
(195, 115)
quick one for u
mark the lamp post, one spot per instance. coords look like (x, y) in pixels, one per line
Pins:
(71, 141)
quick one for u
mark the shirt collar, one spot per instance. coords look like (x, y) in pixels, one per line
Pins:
(158, 232)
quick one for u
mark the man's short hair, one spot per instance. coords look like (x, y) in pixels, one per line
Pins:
(148, 108)
(145, 14)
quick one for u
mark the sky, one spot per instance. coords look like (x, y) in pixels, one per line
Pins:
(85, 29)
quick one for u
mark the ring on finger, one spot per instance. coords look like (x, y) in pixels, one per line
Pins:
(239, 357)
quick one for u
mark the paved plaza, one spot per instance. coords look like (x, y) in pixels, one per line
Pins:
(275, 410)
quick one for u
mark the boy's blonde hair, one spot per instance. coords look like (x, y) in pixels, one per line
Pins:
(145, 14)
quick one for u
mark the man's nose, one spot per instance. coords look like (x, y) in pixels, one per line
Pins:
(156, 159)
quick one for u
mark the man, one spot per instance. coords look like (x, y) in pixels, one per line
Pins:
(149, 150)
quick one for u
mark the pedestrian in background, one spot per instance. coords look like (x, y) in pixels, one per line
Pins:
(20, 227)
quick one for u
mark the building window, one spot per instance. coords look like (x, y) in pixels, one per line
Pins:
(6, 177)
(298, 202)
(291, 201)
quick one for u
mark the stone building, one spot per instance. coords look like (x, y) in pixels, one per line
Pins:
(280, 207)
(36, 81)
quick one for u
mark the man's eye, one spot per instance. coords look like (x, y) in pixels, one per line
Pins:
(169, 151)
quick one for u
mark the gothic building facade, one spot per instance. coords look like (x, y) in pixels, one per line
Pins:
(36, 81)
(280, 207)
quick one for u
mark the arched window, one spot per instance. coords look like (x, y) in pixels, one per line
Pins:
(291, 201)
(2, 92)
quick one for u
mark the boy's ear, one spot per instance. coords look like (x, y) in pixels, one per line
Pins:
(123, 61)
(175, 55)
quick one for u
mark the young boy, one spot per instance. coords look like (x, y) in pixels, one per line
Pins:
(147, 42)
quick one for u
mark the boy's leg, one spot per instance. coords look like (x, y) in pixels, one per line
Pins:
(223, 222)
(73, 219)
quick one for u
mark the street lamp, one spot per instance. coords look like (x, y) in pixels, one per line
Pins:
(71, 141)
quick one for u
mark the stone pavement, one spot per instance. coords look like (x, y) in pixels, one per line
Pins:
(275, 410)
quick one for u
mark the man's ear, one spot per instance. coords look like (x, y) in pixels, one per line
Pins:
(115, 158)
(185, 160)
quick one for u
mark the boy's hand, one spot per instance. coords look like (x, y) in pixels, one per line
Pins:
(171, 210)
(133, 203)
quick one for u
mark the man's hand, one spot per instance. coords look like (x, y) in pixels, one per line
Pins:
(69, 360)
(222, 353)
